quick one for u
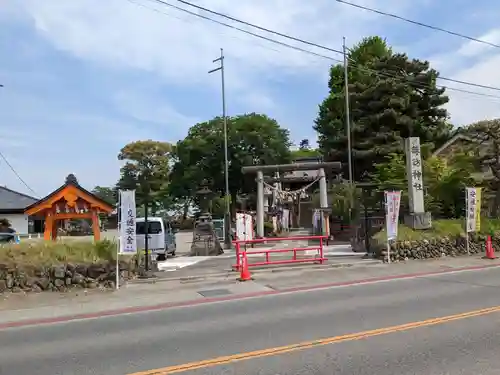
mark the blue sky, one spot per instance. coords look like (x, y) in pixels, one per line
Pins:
(84, 77)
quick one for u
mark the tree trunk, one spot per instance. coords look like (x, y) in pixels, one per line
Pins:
(234, 197)
(185, 209)
(496, 205)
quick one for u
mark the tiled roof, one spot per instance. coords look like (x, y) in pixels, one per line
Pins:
(12, 200)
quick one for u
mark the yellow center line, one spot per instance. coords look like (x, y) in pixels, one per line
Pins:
(309, 344)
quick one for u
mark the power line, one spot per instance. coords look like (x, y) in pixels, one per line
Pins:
(470, 83)
(242, 30)
(312, 44)
(296, 39)
(435, 28)
(355, 66)
(17, 174)
(184, 20)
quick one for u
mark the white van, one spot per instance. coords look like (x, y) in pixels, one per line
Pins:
(161, 236)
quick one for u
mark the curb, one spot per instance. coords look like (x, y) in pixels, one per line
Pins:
(167, 305)
(230, 273)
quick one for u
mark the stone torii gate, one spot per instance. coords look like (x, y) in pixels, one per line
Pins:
(305, 166)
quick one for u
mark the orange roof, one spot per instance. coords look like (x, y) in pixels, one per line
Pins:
(71, 192)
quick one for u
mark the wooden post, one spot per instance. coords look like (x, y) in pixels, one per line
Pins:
(95, 225)
(49, 223)
(327, 226)
(54, 228)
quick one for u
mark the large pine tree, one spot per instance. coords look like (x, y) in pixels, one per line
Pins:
(391, 98)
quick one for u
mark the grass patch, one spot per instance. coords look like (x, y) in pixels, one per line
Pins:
(41, 253)
(440, 228)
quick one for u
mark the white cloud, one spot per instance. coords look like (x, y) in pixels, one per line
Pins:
(467, 108)
(255, 99)
(152, 109)
(476, 63)
(181, 47)
(45, 141)
(473, 48)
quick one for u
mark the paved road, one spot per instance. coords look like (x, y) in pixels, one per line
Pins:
(138, 342)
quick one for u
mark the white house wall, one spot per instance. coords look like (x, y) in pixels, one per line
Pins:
(19, 222)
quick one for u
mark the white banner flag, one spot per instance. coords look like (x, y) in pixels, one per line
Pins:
(244, 226)
(473, 207)
(128, 241)
(392, 204)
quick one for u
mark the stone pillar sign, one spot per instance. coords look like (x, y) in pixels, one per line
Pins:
(414, 175)
(417, 218)
(323, 202)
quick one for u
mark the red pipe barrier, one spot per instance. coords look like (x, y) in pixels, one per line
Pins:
(240, 252)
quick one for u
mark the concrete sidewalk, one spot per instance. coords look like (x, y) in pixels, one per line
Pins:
(202, 267)
(16, 307)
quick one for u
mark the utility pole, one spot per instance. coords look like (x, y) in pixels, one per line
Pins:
(348, 130)
(347, 112)
(227, 219)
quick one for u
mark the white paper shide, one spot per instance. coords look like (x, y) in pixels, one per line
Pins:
(128, 241)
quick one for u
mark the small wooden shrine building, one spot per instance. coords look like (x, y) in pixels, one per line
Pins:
(70, 201)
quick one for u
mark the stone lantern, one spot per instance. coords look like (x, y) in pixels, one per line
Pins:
(204, 195)
(205, 242)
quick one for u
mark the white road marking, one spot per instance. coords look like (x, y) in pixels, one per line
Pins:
(174, 264)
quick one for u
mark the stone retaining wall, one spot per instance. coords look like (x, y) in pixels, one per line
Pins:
(61, 278)
(436, 248)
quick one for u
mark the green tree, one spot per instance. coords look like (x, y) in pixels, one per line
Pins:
(391, 97)
(146, 170)
(487, 135)
(217, 207)
(304, 144)
(253, 139)
(107, 194)
(184, 179)
(342, 198)
(71, 179)
(444, 182)
(305, 151)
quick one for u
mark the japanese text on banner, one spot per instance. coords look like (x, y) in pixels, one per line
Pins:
(392, 204)
(473, 208)
(128, 241)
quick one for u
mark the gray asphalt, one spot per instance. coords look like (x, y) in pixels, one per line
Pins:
(130, 343)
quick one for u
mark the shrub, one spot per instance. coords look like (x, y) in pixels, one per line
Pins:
(440, 228)
(39, 253)
(187, 224)
(268, 228)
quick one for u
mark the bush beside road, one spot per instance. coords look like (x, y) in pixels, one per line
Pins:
(438, 247)
(446, 238)
(59, 266)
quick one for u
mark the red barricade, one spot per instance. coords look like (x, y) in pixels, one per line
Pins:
(240, 248)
